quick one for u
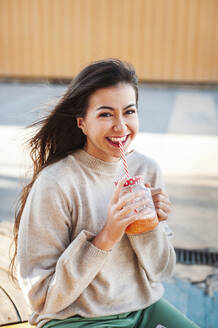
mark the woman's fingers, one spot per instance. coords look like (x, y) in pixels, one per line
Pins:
(123, 208)
(132, 207)
(161, 198)
(163, 206)
(158, 191)
(130, 197)
(117, 191)
(162, 215)
(158, 195)
(162, 203)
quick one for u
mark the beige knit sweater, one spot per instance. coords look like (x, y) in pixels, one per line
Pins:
(60, 271)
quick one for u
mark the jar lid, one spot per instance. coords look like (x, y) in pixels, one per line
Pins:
(132, 181)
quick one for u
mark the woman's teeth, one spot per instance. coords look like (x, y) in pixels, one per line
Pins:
(118, 139)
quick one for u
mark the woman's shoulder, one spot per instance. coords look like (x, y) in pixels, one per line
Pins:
(146, 166)
(142, 160)
(60, 172)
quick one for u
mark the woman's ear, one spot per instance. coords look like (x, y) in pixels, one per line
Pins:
(81, 124)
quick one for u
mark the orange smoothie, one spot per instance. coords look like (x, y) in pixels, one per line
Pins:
(142, 225)
(148, 221)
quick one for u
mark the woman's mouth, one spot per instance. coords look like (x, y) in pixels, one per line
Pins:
(114, 141)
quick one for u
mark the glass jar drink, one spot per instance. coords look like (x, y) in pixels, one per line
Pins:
(148, 220)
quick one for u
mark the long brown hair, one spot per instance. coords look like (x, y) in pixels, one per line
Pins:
(58, 134)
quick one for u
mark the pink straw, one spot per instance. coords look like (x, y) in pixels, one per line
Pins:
(122, 153)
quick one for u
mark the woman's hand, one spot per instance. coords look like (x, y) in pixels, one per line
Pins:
(162, 203)
(120, 215)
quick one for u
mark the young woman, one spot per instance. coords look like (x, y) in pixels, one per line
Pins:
(76, 265)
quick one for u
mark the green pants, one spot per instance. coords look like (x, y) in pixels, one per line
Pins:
(159, 315)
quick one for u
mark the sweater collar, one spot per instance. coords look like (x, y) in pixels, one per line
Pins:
(110, 168)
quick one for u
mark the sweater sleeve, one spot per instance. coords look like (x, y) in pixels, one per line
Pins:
(153, 249)
(155, 254)
(52, 269)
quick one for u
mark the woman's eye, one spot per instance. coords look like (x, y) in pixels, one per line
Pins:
(105, 115)
(130, 111)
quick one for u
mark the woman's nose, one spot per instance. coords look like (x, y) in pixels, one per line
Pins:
(120, 125)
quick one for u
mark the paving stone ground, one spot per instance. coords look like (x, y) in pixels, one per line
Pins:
(193, 302)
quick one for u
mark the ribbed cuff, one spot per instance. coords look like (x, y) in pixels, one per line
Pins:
(145, 235)
(83, 251)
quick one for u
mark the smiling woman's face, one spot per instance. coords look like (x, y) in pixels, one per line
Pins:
(111, 117)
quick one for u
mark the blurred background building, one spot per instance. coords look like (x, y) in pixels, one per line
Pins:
(166, 40)
(173, 44)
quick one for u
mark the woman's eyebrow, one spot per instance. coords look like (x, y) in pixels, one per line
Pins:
(111, 108)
